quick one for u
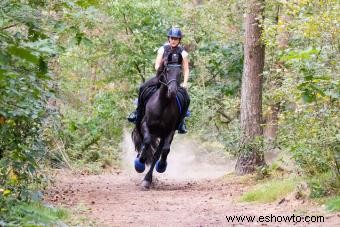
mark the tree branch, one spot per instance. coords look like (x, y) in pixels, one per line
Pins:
(139, 71)
(9, 26)
(225, 116)
(127, 28)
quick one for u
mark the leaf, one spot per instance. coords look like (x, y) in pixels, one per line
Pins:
(79, 36)
(42, 46)
(6, 192)
(308, 97)
(60, 26)
(87, 3)
(24, 53)
(86, 41)
(42, 66)
(4, 59)
(332, 94)
(301, 55)
(34, 34)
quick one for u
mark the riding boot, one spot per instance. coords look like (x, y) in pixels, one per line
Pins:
(182, 128)
(135, 116)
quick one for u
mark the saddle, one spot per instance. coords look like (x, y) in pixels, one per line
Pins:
(182, 98)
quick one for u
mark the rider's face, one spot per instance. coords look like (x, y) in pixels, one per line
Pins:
(173, 41)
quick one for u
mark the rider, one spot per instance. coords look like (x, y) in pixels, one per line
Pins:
(173, 46)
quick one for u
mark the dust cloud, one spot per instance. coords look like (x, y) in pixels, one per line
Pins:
(187, 160)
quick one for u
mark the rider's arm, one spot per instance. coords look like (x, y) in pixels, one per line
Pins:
(185, 71)
(159, 58)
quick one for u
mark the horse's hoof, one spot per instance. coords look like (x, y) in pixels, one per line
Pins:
(161, 168)
(139, 166)
(146, 184)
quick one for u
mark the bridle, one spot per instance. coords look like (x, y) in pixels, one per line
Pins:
(167, 83)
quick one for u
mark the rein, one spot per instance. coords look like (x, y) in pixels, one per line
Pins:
(167, 83)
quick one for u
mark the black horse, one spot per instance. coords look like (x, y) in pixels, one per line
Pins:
(164, 111)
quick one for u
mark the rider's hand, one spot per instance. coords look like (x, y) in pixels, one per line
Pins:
(184, 85)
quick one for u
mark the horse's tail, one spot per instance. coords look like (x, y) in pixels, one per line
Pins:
(137, 139)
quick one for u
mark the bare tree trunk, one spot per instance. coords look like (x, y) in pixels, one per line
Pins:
(272, 116)
(283, 35)
(271, 119)
(251, 155)
(197, 2)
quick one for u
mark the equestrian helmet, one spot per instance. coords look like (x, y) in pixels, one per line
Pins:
(175, 32)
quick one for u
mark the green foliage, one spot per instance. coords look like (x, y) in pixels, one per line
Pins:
(302, 77)
(314, 147)
(24, 52)
(140, 28)
(270, 191)
(86, 137)
(216, 59)
(323, 185)
(316, 82)
(224, 67)
(32, 214)
(333, 204)
(27, 47)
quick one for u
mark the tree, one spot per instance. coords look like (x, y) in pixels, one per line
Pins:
(251, 155)
(274, 81)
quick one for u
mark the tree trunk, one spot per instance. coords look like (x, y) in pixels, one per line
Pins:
(251, 155)
(272, 116)
(197, 2)
(271, 119)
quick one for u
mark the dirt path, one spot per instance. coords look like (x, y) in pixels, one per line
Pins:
(116, 199)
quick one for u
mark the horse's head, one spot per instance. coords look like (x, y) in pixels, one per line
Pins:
(171, 79)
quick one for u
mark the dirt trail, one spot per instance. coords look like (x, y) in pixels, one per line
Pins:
(188, 194)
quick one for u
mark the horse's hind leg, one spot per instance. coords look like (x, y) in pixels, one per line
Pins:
(162, 164)
(148, 177)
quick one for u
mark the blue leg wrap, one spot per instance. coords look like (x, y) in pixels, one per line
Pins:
(139, 166)
(161, 168)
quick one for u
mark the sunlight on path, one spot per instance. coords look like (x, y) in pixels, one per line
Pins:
(188, 160)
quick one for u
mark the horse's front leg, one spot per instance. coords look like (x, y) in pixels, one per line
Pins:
(142, 156)
(162, 164)
(148, 177)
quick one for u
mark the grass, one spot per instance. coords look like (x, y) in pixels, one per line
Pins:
(79, 219)
(269, 191)
(34, 214)
(333, 204)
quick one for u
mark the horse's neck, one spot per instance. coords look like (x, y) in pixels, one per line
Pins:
(162, 98)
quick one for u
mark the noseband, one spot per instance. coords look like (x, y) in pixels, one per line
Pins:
(166, 82)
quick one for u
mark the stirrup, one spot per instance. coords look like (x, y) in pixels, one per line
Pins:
(132, 117)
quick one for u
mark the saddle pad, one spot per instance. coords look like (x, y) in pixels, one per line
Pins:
(183, 101)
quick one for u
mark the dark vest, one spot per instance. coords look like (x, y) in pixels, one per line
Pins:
(173, 55)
